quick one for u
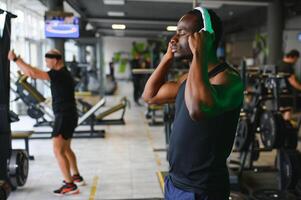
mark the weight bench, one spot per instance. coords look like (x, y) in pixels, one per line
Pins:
(99, 119)
(152, 115)
(121, 106)
(89, 115)
(25, 136)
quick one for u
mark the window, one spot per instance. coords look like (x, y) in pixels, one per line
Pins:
(2, 5)
(71, 50)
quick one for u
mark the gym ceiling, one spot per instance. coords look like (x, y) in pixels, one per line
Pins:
(149, 18)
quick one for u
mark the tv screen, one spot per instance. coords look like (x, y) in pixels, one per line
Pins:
(62, 27)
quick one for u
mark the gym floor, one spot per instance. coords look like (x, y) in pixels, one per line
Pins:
(121, 166)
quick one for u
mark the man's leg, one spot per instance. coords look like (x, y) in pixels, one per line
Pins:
(136, 88)
(71, 158)
(76, 177)
(59, 148)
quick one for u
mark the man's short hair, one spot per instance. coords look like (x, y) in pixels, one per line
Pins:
(216, 22)
(293, 53)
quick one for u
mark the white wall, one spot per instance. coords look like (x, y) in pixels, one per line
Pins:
(290, 39)
(117, 44)
(290, 34)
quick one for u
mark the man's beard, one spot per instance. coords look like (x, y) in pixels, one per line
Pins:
(187, 56)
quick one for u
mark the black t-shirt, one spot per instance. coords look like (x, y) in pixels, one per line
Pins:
(285, 67)
(198, 150)
(62, 90)
(288, 68)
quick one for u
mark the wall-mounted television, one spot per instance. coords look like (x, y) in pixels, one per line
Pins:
(61, 27)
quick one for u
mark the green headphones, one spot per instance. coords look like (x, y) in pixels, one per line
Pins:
(206, 19)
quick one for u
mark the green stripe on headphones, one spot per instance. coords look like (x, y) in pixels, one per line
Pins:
(206, 19)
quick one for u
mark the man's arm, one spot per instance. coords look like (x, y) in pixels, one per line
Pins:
(202, 99)
(27, 69)
(294, 82)
(167, 92)
(157, 90)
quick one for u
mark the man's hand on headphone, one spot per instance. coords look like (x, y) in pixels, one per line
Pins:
(200, 42)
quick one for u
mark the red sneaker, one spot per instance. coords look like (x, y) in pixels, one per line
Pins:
(67, 189)
(78, 180)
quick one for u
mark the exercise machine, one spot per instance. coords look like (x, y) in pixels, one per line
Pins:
(36, 104)
(37, 107)
(101, 118)
(261, 121)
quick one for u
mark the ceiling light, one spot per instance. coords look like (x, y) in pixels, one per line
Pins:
(118, 26)
(212, 5)
(97, 34)
(171, 28)
(89, 27)
(114, 2)
(115, 14)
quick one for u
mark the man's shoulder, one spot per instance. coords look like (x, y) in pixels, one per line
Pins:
(228, 77)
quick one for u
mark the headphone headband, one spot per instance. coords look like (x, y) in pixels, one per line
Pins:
(52, 56)
(206, 19)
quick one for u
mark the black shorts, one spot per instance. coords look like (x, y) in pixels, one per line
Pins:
(64, 124)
